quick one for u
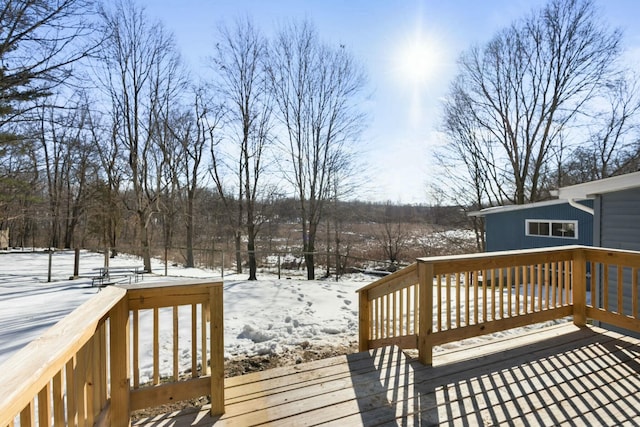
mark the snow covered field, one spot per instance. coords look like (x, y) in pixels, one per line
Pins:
(261, 317)
(268, 316)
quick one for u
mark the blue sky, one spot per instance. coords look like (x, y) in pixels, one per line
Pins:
(391, 39)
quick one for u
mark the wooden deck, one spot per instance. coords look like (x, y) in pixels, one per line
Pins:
(562, 375)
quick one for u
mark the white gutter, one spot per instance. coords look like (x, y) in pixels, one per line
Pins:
(580, 206)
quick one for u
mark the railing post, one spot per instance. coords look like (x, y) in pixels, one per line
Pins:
(425, 312)
(216, 358)
(119, 363)
(364, 321)
(579, 287)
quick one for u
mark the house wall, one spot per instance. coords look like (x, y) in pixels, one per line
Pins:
(618, 227)
(506, 230)
(619, 220)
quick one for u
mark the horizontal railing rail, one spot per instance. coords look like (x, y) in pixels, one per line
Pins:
(61, 378)
(86, 370)
(444, 299)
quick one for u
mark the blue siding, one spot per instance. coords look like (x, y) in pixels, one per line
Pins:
(506, 230)
(618, 227)
(620, 220)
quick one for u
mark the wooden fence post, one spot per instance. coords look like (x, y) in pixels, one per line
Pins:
(119, 363)
(364, 320)
(216, 358)
(579, 287)
(425, 312)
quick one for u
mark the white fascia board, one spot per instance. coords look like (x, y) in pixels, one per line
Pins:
(588, 190)
(508, 208)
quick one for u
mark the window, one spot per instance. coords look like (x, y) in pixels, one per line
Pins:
(538, 228)
(565, 229)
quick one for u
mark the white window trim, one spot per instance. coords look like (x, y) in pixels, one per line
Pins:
(550, 222)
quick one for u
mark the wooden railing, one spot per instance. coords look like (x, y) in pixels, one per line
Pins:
(80, 372)
(444, 299)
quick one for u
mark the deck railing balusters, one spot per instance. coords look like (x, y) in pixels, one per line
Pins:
(75, 384)
(620, 282)
(540, 285)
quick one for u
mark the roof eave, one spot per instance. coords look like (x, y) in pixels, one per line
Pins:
(589, 190)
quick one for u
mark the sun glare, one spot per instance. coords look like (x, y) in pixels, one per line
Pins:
(418, 60)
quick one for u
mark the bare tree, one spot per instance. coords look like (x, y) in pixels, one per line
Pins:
(521, 91)
(39, 43)
(316, 89)
(612, 147)
(170, 152)
(142, 76)
(239, 60)
(615, 139)
(194, 130)
(106, 207)
(68, 162)
(392, 235)
(464, 161)
(18, 178)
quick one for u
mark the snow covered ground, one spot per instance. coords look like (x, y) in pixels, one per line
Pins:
(261, 317)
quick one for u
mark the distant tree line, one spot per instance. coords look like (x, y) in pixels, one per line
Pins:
(107, 138)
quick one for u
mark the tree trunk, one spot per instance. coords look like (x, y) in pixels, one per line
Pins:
(113, 238)
(190, 259)
(478, 228)
(328, 256)
(55, 240)
(337, 253)
(238, 241)
(189, 230)
(309, 249)
(308, 259)
(72, 223)
(68, 235)
(251, 246)
(144, 242)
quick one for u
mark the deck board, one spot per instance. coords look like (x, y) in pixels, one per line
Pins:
(562, 375)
